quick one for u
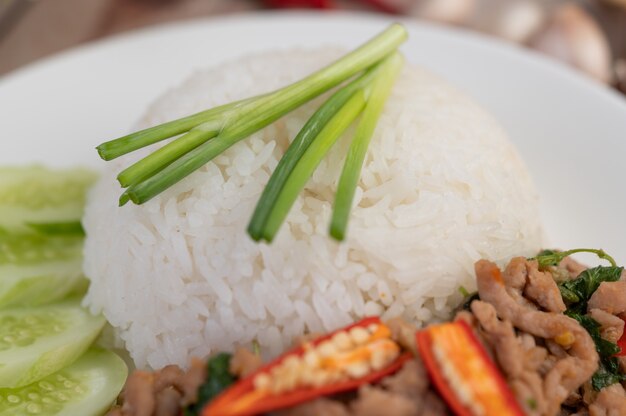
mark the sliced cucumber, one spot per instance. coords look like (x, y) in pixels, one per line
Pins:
(27, 248)
(37, 269)
(40, 284)
(38, 341)
(36, 194)
(86, 388)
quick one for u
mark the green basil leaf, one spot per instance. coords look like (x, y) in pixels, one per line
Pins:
(579, 290)
(218, 379)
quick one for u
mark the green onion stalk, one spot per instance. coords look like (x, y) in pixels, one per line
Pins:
(358, 148)
(367, 97)
(205, 135)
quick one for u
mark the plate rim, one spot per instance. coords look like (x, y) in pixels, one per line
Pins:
(514, 50)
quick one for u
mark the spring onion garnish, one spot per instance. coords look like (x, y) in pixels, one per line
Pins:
(207, 134)
(383, 75)
(356, 155)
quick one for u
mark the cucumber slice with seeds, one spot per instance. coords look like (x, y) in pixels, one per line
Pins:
(86, 388)
(35, 194)
(38, 341)
(37, 269)
(40, 284)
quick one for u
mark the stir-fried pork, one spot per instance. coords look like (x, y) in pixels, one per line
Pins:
(567, 373)
(162, 393)
(611, 401)
(609, 297)
(546, 357)
(611, 326)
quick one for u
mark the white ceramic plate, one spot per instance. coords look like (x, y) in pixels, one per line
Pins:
(571, 131)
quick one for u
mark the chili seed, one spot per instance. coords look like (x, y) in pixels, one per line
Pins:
(359, 335)
(342, 341)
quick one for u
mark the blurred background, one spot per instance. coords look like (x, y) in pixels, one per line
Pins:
(587, 34)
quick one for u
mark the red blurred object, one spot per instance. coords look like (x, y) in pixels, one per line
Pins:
(316, 4)
(622, 343)
(381, 5)
(244, 399)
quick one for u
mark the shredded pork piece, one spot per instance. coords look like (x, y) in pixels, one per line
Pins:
(322, 406)
(403, 333)
(611, 326)
(609, 297)
(501, 336)
(161, 393)
(168, 402)
(573, 267)
(244, 362)
(406, 393)
(581, 361)
(524, 276)
(520, 366)
(374, 401)
(167, 376)
(413, 383)
(139, 397)
(610, 401)
(189, 383)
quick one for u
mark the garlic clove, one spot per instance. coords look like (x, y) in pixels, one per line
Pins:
(573, 36)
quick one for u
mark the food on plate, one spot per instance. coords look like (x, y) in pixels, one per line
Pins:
(441, 187)
(210, 132)
(38, 341)
(462, 371)
(38, 268)
(46, 366)
(41, 239)
(86, 387)
(540, 337)
(34, 196)
(403, 315)
(338, 362)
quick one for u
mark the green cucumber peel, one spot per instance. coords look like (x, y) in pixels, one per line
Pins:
(36, 269)
(87, 387)
(38, 341)
(41, 283)
(39, 195)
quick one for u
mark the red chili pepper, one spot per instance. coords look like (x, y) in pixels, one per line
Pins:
(622, 343)
(317, 4)
(243, 399)
(383, 6)
(463, 373)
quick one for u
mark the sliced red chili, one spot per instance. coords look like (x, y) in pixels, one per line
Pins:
(463, 373)
(244, 399)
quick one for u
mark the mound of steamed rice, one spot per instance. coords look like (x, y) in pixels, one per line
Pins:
(179, 277)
